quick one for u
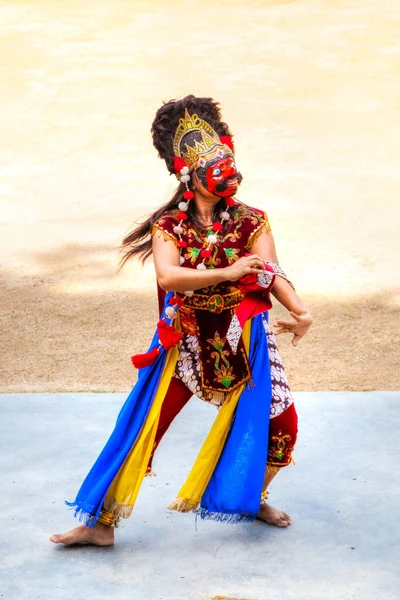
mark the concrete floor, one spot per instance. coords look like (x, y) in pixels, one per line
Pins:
(343, 495)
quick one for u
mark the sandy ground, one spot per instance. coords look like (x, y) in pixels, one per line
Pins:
(310, 89)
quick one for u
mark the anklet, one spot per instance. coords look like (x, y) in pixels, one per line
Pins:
(264, 497)
(108, 519)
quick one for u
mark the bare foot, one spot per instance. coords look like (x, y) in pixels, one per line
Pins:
(99, 535)
(273, 516)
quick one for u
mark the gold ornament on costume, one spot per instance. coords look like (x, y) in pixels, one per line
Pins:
(109, 519)
(203, 151)
(264, 497)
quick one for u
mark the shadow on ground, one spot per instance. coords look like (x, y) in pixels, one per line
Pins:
(80, 336)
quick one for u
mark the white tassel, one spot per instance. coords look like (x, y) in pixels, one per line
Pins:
(170, 312)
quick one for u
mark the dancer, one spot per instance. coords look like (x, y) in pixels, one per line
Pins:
(216, 268)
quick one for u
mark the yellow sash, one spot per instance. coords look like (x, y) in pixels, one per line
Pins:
(192, 490)
(122, 493)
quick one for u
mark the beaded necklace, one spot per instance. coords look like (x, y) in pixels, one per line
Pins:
(182, 171)
(212, 236)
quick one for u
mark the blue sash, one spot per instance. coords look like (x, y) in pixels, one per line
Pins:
(234, 491)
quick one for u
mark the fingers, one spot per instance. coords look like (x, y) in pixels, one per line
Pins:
(282, 330)
(251, 264)
(296, 339)
(255, 261)
(285, 323)
(252, 270)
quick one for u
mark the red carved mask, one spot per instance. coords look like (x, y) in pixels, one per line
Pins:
(221, 178)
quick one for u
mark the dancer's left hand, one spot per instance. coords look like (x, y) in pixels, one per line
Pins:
(298, 327)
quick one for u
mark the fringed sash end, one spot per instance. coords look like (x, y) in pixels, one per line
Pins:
(85, 515)
(183, 506)
(225, 517)
(117, 509)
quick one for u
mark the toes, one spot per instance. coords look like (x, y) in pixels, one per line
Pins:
(282, 523)
(64, 538)
(274, 517)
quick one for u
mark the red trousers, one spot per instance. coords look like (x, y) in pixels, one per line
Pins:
(282, 429)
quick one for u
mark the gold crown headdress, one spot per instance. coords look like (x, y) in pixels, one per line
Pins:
(201, 151)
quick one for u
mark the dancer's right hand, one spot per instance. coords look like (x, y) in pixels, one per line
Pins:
(245, 265)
